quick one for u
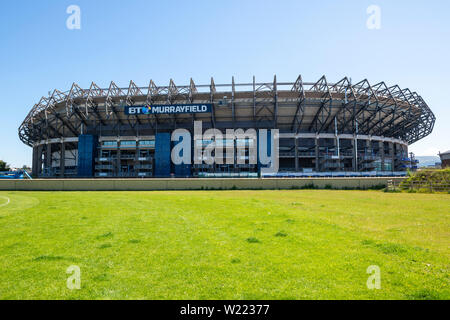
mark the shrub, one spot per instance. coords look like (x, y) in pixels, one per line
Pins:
(427, 180)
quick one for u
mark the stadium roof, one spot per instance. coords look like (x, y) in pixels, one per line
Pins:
(297, 106)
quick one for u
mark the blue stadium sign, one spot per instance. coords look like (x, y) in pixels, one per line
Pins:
(168, 109)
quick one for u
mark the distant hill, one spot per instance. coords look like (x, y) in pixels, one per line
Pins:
(425, 161)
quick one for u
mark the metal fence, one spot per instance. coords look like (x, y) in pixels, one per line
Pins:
(418, 186)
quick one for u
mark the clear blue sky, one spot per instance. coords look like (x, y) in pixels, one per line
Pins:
(159, 40)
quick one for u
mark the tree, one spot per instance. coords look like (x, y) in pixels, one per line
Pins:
(3, 166)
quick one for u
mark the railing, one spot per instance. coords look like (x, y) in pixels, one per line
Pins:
(286, 154)
(418, 186)
(307, 153)
(104, 167)
(127, 174)
(143, 166)
(70, 172)
(333, 165)
(105, 159)
(127, 156)
(145, 174)
(104, 174)
(348, 174)
(346, 154)
(368, 165)
(368, 157)
(331, 156)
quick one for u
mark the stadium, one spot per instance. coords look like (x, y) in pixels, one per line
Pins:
(325, 129)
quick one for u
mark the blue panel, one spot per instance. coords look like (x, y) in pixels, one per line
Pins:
(86, 155)
(182, 170)
(162, 155)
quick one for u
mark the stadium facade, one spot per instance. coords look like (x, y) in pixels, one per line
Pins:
(324, 128)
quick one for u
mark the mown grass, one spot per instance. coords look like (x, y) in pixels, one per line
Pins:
(296, 244)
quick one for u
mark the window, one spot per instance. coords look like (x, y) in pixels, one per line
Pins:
(147, 143)
(128, 143)
(109, 143)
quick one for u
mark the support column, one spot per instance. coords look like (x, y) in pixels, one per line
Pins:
(296, 154)
(368, 152)
(39, 159)
(48, 159)
(35, 163)
(62, 160)
(317, 153)
(381, 147)
(355, 154)
(338, 153)
(118, 160)
(136, 158)
(162, 155)
(392, 156)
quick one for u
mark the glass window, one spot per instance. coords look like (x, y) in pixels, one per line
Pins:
(109, 143)
(147, 143)
(128, 143)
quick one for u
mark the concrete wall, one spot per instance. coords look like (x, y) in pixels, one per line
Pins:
(188, 184)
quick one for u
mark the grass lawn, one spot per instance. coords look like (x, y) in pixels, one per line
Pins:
(299, 244)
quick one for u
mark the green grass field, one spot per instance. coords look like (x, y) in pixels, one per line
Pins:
(308, 244)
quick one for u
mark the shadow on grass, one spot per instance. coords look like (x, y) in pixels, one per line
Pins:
(105, 245)
(253, 240)
(425, 294)
(44, 258)
(105, 235)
